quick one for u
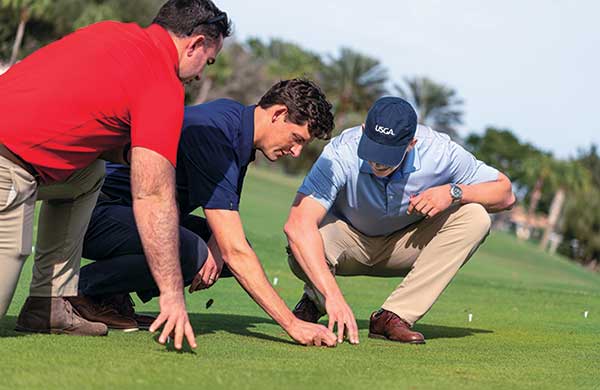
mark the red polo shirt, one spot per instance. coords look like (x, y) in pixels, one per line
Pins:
(90, 92)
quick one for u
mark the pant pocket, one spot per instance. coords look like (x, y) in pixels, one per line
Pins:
(16, 187)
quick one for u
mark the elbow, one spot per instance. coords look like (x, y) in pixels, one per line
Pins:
(290, 229)
(294, 229)
(510, 201)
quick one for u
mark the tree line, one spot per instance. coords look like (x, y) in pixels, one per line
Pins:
(352, 81)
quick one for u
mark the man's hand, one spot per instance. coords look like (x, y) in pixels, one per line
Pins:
(340, 314)
(306, 333)
(156, 216)
(175, 319)
(431, 202)
(209, 273)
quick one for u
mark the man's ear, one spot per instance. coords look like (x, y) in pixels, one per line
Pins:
(279, 111)
(195, 43)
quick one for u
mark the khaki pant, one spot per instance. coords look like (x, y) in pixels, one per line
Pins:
(63, 220)
(427, 254)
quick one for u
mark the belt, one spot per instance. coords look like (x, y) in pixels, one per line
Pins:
(10, 156)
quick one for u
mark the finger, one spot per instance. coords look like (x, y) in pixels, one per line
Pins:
(415, 202)
(206, 277)
(352, 331)
(179, 333)
(433, 212)
(331, 323)
(341, 328)
(157, 322)
(166, 331)
(419, 206)
(412, 202)
(197, 280)
(317, 340)
(426, 209)
(189, 335)
(330, 338)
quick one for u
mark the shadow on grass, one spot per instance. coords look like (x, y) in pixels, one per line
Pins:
(438, 331)
(7, 327)
(232, 323)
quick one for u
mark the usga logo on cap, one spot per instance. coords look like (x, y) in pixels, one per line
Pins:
(390, 126)
(384, 130)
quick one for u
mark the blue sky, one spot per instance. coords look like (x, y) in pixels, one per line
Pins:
(531, 66)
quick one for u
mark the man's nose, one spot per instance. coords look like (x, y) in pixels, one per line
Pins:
(296, 150)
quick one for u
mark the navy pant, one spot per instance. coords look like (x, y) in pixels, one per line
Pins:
(113, 242)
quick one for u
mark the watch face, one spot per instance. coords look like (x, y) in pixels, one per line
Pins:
(456, 192)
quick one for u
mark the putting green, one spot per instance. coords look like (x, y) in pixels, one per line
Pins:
(527, 330)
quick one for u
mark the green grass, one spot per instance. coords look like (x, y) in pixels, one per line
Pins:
(528, 329)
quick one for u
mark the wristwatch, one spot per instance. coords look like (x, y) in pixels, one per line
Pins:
(456, 193)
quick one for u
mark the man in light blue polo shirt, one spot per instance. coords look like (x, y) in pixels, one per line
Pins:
(390, 198)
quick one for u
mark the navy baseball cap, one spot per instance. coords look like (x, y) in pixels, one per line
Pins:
(390, 126)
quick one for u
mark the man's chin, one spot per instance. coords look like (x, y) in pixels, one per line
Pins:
(272, 157)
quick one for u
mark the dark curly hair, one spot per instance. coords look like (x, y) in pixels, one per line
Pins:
(306, 104)
(193, 17)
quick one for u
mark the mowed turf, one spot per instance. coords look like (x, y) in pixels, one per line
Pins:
(528, 329)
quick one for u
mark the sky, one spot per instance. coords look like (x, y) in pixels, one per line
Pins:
(530, 66)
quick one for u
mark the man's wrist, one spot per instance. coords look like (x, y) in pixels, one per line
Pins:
(456, 193)
(287, 323)
(333, 295)
(173, 294)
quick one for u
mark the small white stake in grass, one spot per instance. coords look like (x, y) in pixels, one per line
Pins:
(470, 317)
(585, 314)
(32, 249)
(275, 281)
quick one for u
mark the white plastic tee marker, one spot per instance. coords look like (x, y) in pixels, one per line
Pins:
(275, 281)
(585, 314)
(470, 317)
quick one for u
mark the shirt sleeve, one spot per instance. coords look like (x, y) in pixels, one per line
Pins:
(156, 119)
(466, 169)
(327, 176)
(211, 168)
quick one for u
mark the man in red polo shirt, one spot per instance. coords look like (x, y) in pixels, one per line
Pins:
(72, 102)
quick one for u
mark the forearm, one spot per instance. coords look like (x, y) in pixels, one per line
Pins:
(157, 222)
(246, 268)
(307, 247)
(495, 196)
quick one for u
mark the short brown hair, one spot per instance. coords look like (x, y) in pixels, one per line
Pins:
(306, 104)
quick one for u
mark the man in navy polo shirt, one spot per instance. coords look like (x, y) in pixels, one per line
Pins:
(389, 199)
(218, 142)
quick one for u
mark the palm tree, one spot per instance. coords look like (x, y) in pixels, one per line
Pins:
(285, 60)
(25, 9)
(571, 178)
(353, 81)
(438, 106)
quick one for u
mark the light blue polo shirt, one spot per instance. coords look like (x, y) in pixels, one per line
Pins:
(346, 186)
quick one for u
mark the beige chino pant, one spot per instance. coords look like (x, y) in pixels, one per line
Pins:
(63, 220)
(427, 254)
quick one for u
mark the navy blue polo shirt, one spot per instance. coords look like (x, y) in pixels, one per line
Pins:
(216, 146)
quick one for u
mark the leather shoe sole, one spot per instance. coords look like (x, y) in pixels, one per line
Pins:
(382, 337)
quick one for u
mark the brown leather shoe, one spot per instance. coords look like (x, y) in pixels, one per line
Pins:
(306, 310)
(386, 325)
(123, 304)
(55, 315)
(93, 310)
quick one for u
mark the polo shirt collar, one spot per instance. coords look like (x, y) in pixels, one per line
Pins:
(411, 163)
(247, 152)
(165, 44)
